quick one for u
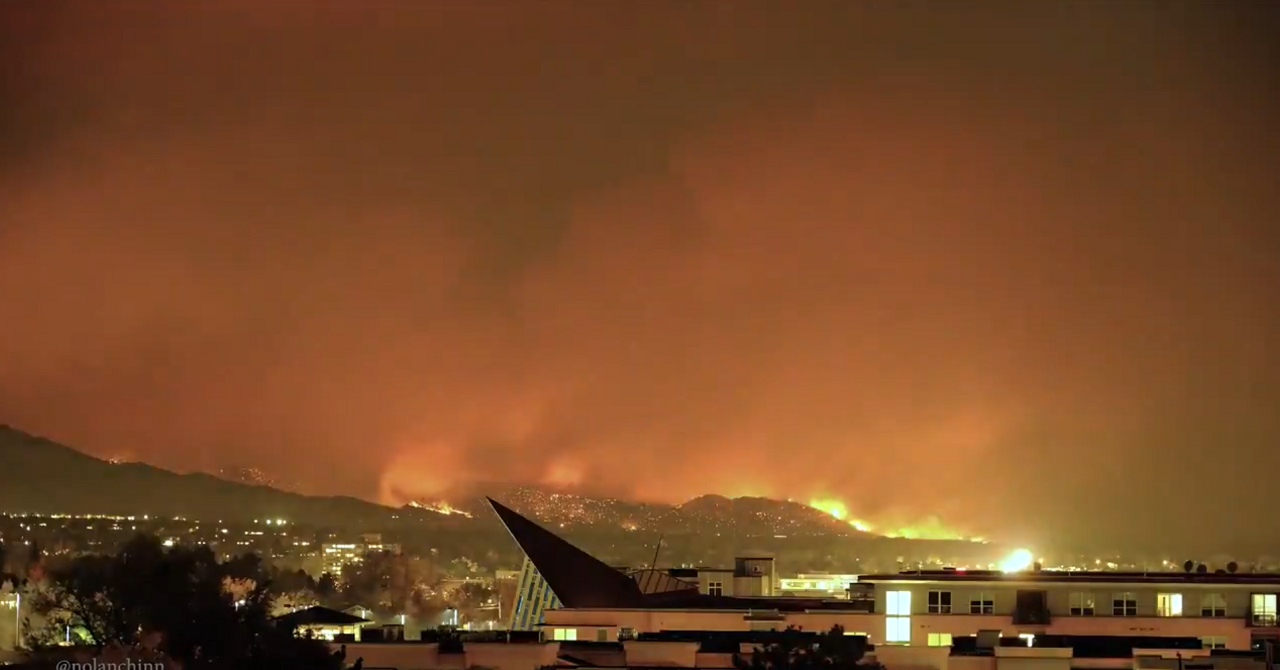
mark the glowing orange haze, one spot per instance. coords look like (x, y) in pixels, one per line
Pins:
(718, 252)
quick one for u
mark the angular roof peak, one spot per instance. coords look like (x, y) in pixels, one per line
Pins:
(577, 578)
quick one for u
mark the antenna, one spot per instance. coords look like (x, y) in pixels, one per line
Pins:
(653, 565)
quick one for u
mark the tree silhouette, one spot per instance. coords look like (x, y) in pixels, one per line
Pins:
(179, 601)
(6, 577)
(796, 650)
(1232, 567)
(470, 600)
(18, 582)
(327, 590)
(1188, 566)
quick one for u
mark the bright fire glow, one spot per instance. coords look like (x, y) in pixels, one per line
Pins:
(929, 528)
(833, 507)
(1019, 560)
(837, 509)
(439, 508)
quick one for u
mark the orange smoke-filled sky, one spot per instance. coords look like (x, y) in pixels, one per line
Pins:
(1007, 264)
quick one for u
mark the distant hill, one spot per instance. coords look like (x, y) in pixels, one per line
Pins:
(41, 476)
(704, 514)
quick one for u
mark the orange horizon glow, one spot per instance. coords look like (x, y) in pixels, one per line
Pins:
(902, 265)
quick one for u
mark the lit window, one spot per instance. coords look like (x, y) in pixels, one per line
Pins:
(939, 639)
(939, 602)
(1213, 605)
(715, 588)
(1214, 642)
(1264, 609)
(982, 603)
(566, 634)
(1124, 604)
(1082, 604)
(897, 630)
(898, 603)
(1029, 638)
(1169, 604)
(897, 622)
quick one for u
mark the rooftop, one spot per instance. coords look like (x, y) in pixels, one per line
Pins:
(319, 616)
(577, 578)
(1052, 576)
(581, 581)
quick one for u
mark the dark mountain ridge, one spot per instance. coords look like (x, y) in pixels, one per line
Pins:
(39, 476)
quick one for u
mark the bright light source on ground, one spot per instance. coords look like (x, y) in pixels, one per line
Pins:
(1019, 560)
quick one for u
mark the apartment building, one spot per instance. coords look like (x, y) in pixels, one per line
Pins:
(721, 651)
(921, 609)
(1234, 611)
(337, 555)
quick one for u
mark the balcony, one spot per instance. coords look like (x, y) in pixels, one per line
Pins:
(1027, 616)
(1262, 619)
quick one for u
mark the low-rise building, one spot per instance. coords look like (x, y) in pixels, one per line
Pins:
(718, 650)
(337, 555)
(816, 585)
(919, 608)
(749, 576)
(323, 623)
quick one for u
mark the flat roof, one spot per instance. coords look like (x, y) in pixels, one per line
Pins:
(1064, 576)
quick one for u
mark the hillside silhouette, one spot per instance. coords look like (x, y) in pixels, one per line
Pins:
(39, 476)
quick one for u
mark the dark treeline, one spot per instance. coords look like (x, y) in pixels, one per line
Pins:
(178, 603)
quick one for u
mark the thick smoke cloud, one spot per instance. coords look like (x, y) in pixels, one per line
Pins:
(1013, 269)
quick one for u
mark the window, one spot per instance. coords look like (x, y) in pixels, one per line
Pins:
(897, 621)
(982, 603)
(1029, 638)
(568, 634)
(715, 588)
(897, 630)
(1264, 609)
(626, 634)
(898, 603)
(1168, 604)
(1213, 642)
(939, 602)
(1082, 604)
(1213, 604)
(602, 635)
(939, 639)
(1124, 604)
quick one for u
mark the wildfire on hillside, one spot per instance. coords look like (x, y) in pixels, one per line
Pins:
(927, 529)
(440, 508)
